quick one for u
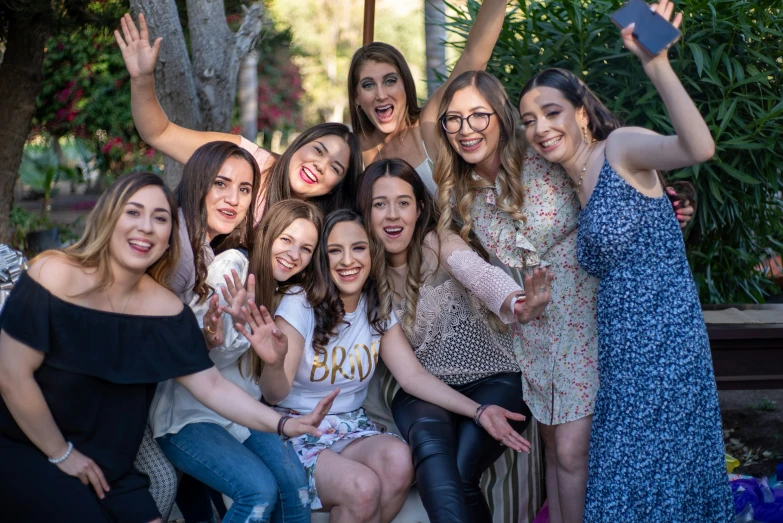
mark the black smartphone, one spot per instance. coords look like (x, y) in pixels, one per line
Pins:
(653, 32)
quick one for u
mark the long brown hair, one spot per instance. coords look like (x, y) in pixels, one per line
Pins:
(92, 251)
(453, 174)
(277, 186)
(324, 296)
(385, 54)
(198, 177)
(426, 223)
(268, 291)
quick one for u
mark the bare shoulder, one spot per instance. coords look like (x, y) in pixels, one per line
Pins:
(158, 300)
(60, 275)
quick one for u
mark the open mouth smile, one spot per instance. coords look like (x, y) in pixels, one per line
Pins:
(307, 176)
(385, 113)
(142, 246)
(471, 145)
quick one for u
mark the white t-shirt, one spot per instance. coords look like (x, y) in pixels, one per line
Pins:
(174, 407)
(349, 361)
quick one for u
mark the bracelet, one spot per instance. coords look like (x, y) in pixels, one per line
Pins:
(281, 426)
(477, 415)
(55, 461)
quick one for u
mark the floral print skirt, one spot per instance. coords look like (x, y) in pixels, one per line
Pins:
(338, 430)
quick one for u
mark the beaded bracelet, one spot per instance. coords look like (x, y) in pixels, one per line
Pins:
(477, 415)
(55, 461)
(281, 426)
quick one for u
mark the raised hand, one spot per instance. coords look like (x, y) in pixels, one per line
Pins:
(236, 295)
(494, 420)
(267, 340)
(213, 324)
(80, 466)
(308, 424)
(538, 291)
(665, 8)
(140, 57)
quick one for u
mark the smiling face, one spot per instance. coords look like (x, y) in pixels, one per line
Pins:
(553, 126)
(141, 235)
(474, 147)
(293, 249)
(318, 166)
(380, 94)
(350, 263)
(393, 216)
(229, 197)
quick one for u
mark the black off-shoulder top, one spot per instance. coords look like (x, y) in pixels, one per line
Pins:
(100, 369)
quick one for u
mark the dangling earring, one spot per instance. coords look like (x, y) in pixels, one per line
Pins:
(584, 133)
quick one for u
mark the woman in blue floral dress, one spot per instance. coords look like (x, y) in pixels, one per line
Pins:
(656, 449)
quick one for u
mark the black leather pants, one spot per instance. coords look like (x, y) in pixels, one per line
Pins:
(450, 452)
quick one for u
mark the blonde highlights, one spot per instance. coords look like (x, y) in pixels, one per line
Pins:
(456, 187)
(92, 250)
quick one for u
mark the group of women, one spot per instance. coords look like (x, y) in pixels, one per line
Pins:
(243, 317)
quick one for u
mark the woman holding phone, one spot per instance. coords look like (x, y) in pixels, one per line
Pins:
(656, 419)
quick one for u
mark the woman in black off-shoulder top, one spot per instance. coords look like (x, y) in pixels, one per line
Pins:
(86, 336)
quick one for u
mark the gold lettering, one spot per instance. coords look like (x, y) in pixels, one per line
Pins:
(375, 352)
(362, 375)
(338, 366)
(319, 365)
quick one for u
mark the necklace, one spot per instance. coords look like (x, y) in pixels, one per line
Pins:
(130, 295)
(584, 166)
(379, 151)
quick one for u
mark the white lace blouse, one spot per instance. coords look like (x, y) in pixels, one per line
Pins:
(452, 336)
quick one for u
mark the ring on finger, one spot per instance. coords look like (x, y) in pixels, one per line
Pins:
(209, 329)
(542, 289)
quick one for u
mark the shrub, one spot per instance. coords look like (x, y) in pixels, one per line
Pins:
(730, 60)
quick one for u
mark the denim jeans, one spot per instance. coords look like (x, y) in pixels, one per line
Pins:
(262, 475)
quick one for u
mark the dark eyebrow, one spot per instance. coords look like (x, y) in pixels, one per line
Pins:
(327, 152)
(390, 74)
(140, 206)
(473, 110)
(550, 104)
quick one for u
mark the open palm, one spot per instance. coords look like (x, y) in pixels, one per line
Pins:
(140, 57)
(267, 340)
(538, 292)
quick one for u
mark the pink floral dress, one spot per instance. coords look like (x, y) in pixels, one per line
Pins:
(558, 351)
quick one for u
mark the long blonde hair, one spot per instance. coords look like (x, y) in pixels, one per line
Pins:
(268, 291)
(92, 249)
(453, 173)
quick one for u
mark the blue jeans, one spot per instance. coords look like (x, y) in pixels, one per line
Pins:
(262, 475)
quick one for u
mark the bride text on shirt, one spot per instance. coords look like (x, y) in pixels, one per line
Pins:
(359, 361)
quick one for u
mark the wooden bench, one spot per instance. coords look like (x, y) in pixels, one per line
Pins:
(746, 355)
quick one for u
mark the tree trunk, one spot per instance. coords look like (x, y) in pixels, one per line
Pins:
(248, 95)
(434, 18)
(174, 82)
(20, 82)
(199, 96)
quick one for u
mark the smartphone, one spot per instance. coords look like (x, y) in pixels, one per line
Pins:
(653, 32)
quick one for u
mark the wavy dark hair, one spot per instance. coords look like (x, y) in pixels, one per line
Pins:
(198, 177)
(385, 54)
(324, 296)
(268, 291)
(601, 121)
(277, 186)
(426, 223)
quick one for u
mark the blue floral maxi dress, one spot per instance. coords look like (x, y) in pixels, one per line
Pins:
(656, 448)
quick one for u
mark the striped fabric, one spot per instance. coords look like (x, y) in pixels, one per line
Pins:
(513, 486)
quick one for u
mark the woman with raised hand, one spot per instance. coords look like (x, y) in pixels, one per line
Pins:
(320, 165)
(333, 335)
(656, 415)
(524, 210)
(453, 307)
(384, 108)
(87, 334)
(253, 468)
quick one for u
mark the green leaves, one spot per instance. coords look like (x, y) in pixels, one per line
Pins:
(730, 59)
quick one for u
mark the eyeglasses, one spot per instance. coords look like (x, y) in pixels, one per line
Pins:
(452, 123)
